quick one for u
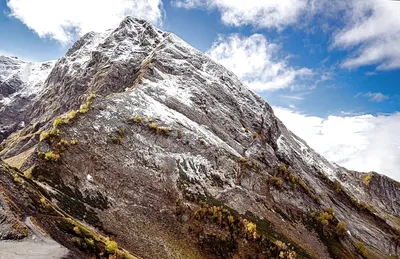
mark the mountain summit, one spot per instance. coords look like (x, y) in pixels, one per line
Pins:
(138, 145)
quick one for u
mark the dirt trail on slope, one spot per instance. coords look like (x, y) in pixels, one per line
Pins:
(37, 246)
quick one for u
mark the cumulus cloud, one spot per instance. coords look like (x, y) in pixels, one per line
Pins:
(358, 142)
(64, 19)
(373, 31)
(368, 29)
(373, 97)
(256, 62)
(261, 13)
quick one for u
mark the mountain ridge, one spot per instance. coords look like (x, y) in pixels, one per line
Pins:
(173, 125)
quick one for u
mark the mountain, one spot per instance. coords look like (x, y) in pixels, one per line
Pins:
(20, 83)
(136, 145)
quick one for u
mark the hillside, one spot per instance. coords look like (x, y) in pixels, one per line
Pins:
(136, 137)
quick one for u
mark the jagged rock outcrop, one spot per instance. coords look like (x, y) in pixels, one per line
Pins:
(169, 128)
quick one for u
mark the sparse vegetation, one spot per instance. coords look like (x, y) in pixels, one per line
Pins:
(239, 229)
(137, 119)
(50, 156)
(44, 135)
(71, 115)
(84, 108)
(277, 182)
(361, 249)
(341, 229)
(287, 174)
(89, 242)
(330, 211)
(180, 134)
(367, 178)
(28, 173)
(165, 130)
(77, 230)
(17, 179)
(282, 169)
(243, 160)
(153, 126)
(63, 142)
(59, 121)
(365, 206)
(91, 96)
(337, 186)
(43, 201)
(326, 217)
(111, 246)
(255, 165)
(117, 140)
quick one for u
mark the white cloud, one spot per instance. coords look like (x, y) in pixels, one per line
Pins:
(358, 142)
(255, 61)
(373, 31)
(373, 97)
(261, 13)
(368, 29)
(62, 19)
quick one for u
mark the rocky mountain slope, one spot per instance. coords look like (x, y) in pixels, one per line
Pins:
(138, 145)
(20, 83)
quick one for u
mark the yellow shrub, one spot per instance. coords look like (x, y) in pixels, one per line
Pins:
(44, 135)
(165, 131)
(111, 246)
(74, 142)
(43, 201)
(338, 186)
(282, 168)
(280, 245)
(17, 179)
(137, 119)
(242, 159)
(325, 218)
(330, 211)
(277, 182)
(63, 142)
(153, 126)
(28, 173)
(367, 178)
(89, 242)
(84, 108)
(59, 121)
(341, 229)
(361, 249)
(77, 230)
(72, 115)
(50, 156)
(91, 96)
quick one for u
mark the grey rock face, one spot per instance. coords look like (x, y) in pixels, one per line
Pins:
(198, 132)
(20, 83)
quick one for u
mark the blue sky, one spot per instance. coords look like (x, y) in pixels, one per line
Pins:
(202, 27)
(311, 60)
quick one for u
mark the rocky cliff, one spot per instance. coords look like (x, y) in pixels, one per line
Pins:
(138, 145)
(20, 83)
